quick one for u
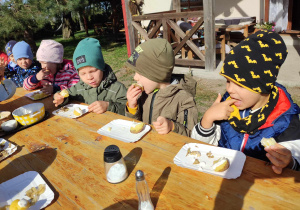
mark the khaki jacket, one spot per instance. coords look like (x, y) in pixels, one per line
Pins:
(175, 102)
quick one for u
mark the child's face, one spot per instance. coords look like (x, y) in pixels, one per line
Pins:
(24, 63)
(11, 57)
(52, 67)
(148, 84)
(245, 98)
(90, 75)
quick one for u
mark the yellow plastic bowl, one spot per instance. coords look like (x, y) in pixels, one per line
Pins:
(29, 114)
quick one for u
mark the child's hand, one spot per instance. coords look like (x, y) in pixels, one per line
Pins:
(133, 93)
(280, 157)
(218, 111)
(98, 107)
(163, 125)
(47, 88)
(58, 99)
(42, 74)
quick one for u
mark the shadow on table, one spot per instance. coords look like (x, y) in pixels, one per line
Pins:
(37, 161)
(229, 197)
(154, 194)
(132, 158)
(159, 186)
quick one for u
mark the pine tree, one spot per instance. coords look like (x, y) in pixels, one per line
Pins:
(23, 18)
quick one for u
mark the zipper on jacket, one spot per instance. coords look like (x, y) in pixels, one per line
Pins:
(151, 105)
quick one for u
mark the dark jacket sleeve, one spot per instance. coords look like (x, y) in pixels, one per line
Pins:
(292, 132)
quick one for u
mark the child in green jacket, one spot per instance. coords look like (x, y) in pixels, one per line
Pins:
(98, 85)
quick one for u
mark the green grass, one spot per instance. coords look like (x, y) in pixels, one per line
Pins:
(114, 53)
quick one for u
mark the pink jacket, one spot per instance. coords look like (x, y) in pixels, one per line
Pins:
(63, 79)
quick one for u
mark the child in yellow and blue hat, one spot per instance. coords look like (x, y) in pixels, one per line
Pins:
(255, 106)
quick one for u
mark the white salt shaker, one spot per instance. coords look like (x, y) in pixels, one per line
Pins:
(115, 167)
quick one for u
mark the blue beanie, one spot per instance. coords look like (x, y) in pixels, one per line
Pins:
(9, 46)
(22, 50)
(88, 53)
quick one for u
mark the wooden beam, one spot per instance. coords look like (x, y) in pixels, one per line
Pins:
(168, 15)
(187, 62)
(130, 27)
(191, 44)
(176, 5)
(154, 29)
(290, 15)
(209, 34)
(141, 30)
(267, 8)
(165, 29)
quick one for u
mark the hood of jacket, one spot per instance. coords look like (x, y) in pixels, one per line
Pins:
(184, 82)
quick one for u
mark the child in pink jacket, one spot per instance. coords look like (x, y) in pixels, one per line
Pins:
(56, 73)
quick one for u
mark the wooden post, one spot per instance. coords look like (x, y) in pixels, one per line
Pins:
(209, 34)
(176, 5)
(129, 27)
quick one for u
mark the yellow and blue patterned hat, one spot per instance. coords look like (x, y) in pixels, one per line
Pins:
(255, 62)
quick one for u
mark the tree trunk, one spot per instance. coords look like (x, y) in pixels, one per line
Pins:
(68, 26)
(30, 40)
(115, 19)
(85, 23)
(80, 18)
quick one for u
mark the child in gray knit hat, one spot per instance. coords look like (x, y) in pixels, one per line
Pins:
(166, 100)
(255, 107)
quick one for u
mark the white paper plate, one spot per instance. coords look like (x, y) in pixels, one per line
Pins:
(7, 150)
(236, 159)
(30, 95)
(16, 188)
(70, 112)
(120, 129)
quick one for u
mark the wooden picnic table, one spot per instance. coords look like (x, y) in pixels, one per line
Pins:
(68, 153)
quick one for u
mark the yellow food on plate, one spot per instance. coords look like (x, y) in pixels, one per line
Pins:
(139, 86)
(137, 127)
(4, 114)
(19, 204)
(266, 142)
(196, 162)
(39, 95)
(209, 155)
(77, 112)
(64, 93)
(220, 165)
(190, 152)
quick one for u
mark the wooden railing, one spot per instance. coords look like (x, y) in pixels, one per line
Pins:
(173, 33)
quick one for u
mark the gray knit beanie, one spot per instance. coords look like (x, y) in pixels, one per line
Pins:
(153, 59)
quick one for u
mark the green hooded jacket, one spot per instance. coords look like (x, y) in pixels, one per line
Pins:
(109, 90)
(174, 102)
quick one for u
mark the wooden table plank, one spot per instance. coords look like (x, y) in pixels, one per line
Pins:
(73, 165)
